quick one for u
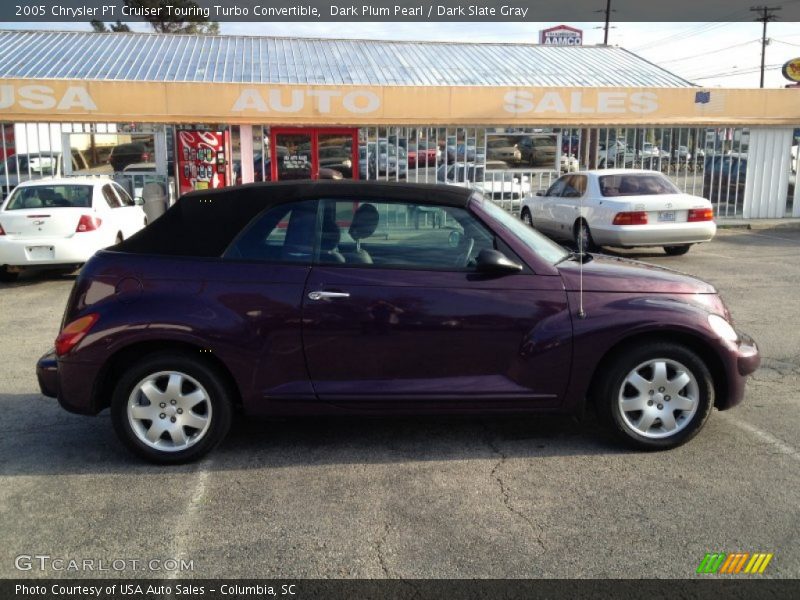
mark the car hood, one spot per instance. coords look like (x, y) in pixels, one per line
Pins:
(611, 274)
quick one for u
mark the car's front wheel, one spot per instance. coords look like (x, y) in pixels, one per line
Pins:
(656, 396)
(526, 217)
(677, 250)
(171, 408)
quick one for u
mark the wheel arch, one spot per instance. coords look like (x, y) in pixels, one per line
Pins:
(704, 350)
(114, 366)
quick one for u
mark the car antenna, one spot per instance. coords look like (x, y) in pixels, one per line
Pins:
(581, 251)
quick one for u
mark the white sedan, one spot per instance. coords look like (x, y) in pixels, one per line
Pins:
(623, 208)
(63, 222)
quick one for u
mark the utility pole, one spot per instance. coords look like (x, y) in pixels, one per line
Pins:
(767, 14)
(608, 21)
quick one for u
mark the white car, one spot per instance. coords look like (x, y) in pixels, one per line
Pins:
(63, 222)
(494, 180)
(623, 208)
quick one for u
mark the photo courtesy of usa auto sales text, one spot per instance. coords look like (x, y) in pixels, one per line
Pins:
(135, 589)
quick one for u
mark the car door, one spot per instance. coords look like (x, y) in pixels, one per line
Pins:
(568, 206)
(259, 286)
(395, 313)
(131, 216)
(543, 216)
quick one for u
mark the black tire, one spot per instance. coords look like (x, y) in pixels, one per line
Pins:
(610, 389)
(577, 236)
(526, 218)
(7, 276)
(218, 396)
(677, 250)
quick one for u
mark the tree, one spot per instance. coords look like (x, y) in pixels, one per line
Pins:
(101, 27)
(169, 22)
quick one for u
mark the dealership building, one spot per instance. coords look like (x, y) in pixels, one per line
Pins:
(196, 112)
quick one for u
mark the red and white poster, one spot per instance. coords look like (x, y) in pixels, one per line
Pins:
(7, 147)
(202, 160)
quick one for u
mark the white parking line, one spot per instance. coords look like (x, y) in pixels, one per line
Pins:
(187, 525)
(770, 439)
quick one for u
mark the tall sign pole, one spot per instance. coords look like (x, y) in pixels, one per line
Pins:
(767, 14)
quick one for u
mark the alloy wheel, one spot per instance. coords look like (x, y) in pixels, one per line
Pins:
(169, 411)
(658, 398)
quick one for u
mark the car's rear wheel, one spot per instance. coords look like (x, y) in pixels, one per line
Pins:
(677, 250)
(582, 236)
(656, 396)
(526, 217)
(7, 276)
(171, 408)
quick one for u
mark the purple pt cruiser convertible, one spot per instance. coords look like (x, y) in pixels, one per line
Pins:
(309, 298)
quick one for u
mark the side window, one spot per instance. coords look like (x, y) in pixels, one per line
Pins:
(124, 197)
(574, 186)
(556, 189)
(110, 197)
(400, 235)
(281, 234)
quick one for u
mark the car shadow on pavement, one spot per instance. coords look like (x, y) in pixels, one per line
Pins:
(39, 277)
(46, 440)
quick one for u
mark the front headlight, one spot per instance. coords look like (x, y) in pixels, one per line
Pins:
(722, 328)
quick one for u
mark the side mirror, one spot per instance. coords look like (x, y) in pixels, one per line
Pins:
(495, 262)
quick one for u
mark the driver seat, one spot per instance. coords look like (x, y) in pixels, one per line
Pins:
(365, 222)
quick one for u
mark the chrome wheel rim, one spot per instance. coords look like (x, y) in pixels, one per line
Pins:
(658, 398)
(169, 411)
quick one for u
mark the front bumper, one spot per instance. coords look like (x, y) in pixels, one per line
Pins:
(743, 359)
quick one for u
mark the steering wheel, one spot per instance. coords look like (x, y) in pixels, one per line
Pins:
(463, 258)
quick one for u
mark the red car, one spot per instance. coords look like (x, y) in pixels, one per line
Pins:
(423, 155)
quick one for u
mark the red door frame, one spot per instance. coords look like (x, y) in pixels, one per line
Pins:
(314, 132)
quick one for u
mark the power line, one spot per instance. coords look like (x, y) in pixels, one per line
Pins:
(693, 56)
(737, 72)
(785, 43)
(767, 14)
(692, 31)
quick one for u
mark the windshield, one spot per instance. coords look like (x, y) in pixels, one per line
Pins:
(50, 196)
(650, 184)
(542, 246)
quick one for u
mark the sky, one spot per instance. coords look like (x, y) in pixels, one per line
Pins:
(709, 54)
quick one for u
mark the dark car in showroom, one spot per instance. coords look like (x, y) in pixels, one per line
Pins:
(308, 298)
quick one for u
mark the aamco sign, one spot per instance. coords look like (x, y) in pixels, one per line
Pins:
(561, 35)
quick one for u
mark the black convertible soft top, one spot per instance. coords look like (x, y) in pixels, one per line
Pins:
(204, 223)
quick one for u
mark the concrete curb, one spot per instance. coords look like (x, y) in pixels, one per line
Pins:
(759, 224)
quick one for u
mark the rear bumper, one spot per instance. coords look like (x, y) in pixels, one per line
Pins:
(72, 383)
(47, 374)
(21, 252)
(665, 234)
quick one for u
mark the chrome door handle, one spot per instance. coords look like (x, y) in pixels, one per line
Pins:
(327, 295)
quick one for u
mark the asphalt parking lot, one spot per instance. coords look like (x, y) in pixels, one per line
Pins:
(418, 498)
